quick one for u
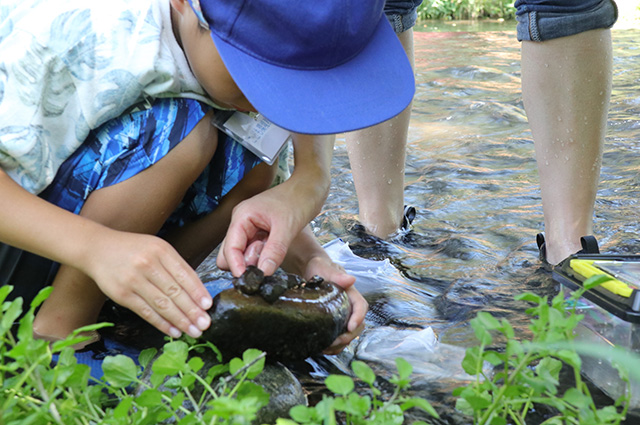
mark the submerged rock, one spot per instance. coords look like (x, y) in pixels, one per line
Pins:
(285, 391)
(288, 318)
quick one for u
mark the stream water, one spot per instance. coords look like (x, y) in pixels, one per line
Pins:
(471, 174)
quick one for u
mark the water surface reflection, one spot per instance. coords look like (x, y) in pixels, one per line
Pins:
(472, 175)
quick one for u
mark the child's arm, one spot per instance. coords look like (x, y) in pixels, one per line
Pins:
(275, 217)
(307, 258)
(141, 272)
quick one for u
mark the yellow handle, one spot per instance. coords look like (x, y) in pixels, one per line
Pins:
(587, 269)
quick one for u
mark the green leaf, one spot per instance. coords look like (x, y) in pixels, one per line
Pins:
(149, 398)
(549, 367)
(235, 364)
(282, 421)
(4, 292)
(176, 400)
(528, 296)
(355, 404)
(464, 406)
(302, 414)
(188, 380)
(498, 420)
(420, 403)
(10, 315)
(339, 384)
(390, 414)
(173, 358)
(488, 321)
(217, 370)
(119, 371)
(146, 356)
(251, 355)
(608, 414)
(363, 371)
(195, 364)
(42, 295)
(25, 330)
(472, 364)
(493, 357)
(404, 368)
(594, 281)
(574, 397)
(479, 328)
(570, 357)
(476, 400)
(122, 409)
(254, 391)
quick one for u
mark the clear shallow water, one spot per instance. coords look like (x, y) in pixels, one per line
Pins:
(472, 176)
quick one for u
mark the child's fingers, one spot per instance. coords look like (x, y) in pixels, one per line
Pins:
(359, 307)
(166, 306)
(231, 253)
(275, 249)
(355, 326)
(139, 306)
(252, 254)
(183, 282)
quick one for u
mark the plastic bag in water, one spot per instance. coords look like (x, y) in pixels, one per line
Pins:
(383, 344)
(371, 276)
(430, 359)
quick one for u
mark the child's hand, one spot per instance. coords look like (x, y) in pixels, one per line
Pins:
(359, 307)
(262, 229)
(145, 274)
(323, 266)
(271, 220)
(307, 258)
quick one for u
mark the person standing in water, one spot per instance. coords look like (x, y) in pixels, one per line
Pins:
(566, 85)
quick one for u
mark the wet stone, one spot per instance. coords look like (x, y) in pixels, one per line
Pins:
(314, 282)
(288, 318)
(285, 391)
(250, 281)
(272, 288)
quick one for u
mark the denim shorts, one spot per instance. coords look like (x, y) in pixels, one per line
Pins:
(402, 14)
(540, 20)
(117, 151)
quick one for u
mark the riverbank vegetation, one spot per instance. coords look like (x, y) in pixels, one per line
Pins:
(628, 11)
(466, 9)
(33, 390)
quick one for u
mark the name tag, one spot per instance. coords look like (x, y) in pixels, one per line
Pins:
(254, 132)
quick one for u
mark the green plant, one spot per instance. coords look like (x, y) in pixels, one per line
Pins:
(33, 391)
(528, 371)
(361, 409)
(466, 9)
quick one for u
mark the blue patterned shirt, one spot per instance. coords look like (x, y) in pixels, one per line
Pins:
(68, 66)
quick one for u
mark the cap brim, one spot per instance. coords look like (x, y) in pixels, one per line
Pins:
(372, 87)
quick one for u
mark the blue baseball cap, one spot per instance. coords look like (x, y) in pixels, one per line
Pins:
(314, 67)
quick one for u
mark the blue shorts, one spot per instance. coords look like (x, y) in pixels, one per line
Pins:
(402, 14)
(540, 20)
(133, 142)
(116, 151)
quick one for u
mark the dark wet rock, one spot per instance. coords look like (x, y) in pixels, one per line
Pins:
(251, 281)
(285, 391)
(271, 289)
(289, 319)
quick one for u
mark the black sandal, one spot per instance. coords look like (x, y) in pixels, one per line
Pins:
(589, 246)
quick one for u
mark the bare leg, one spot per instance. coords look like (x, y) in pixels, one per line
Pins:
(140, 204)
(566, 85)
(196, 240)
(377, 156)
